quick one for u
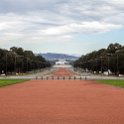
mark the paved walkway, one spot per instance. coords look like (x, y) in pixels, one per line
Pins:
(60, 72)
(61, 102)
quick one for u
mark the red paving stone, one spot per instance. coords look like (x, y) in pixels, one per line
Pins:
(61, 102)
(62, 72)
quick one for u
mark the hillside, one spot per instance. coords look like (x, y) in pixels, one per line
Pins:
(56, 56)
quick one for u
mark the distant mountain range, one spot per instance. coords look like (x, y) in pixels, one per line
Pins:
(57, 56)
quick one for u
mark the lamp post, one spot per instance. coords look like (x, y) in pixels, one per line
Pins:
(18, 56)
(101, 64)
(15, 64)
(6, 63)
(117, 63)
(27, 64)
(108, 61)
(96, 64)
(91, 65)
(108, 65)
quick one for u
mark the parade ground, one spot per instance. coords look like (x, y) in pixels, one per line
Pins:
(61, 102)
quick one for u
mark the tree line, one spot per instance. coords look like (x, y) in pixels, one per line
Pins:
(109, 60)
(18, 60)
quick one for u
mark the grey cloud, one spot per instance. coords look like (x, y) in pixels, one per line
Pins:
(26, 22)
(57, 10)
(22, 6)
(42, 18)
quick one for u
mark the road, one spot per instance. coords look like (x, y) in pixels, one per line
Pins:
(61, 102)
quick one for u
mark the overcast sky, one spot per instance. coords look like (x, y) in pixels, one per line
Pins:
(62, 26)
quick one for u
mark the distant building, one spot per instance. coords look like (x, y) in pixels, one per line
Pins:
(62, 62)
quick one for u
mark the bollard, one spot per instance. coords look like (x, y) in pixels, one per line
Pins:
(47, 78)
(36, 77)
(41, 78)
(74, 78)
(80, 78)
(52, 78)
(63, 78)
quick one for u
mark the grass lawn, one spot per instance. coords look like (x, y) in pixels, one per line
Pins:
(5, 82)
(118, 83)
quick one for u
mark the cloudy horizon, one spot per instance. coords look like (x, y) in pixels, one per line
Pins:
(74, 27)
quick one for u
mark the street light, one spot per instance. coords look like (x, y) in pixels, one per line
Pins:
(96, 64)
(90, 65)
(117, 64)
(108, 61)
(6, 62)
(27, 63)
(18, 56)
(101, 64)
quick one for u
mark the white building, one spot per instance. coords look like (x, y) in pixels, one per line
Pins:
(62, 62)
